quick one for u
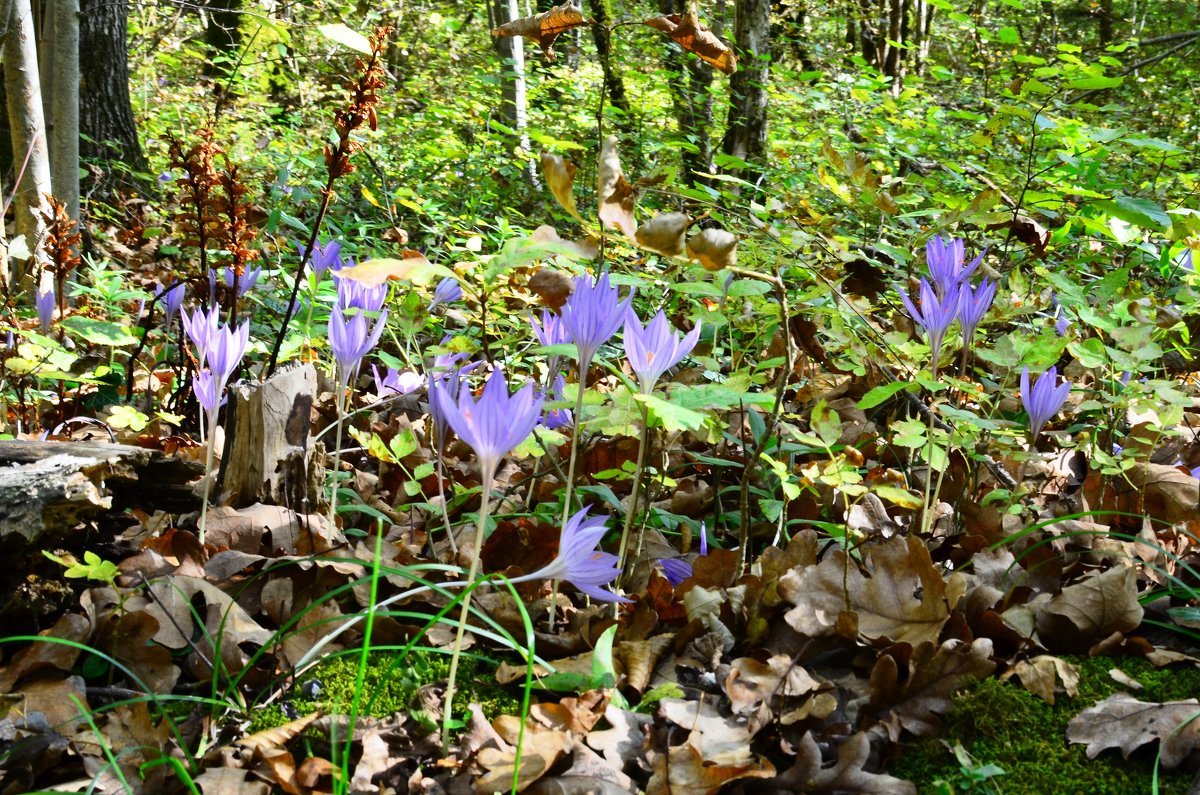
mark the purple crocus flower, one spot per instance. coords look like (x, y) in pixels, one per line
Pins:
(245, 283)
(171, 299)
(448, 375)
(677, 570)
(225, 347)
(350, 340)
(448, 291)
(207, 394)
(551, 330)
(200, 327)
(45, 306)
(580, 563)
(557, 418)
(1044, 400)
(945, 262)
(592, 316)
(935, 315)
(324, 257)
(656, 348)
(494, 424)
(353, 294)
(973, 304)
(1061, 324)
(396, 382)
(1184, 261)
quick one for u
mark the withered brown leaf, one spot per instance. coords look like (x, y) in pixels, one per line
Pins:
(616, 196)
(915, 690)
(560, 178)
(1121, 721)
(903, 599)
(809, 774)
(1091, 610)
(714, 248)
(687, 31)
(547, 26)
(664, 234)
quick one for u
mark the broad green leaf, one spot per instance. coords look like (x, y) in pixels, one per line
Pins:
(1094, 83)
(99, 332)
(340, 34)
(1140, 212)
(898, 496)
(673, 417)
(881, 393)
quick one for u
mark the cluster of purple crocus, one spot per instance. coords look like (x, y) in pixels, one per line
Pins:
(950, 296)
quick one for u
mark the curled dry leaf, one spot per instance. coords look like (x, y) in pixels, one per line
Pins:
(584, 248)
(683, 770)
(904, 599)
(664, 234)
(560, 178)
(1090, 610)
(810, 774)
(616, 196)
(547, 26)
(277, 736)
(714, 248)
(687, 31)
(412, 266)
(541, 751)
(913, 698)
(1121, 721)
(1040, 676)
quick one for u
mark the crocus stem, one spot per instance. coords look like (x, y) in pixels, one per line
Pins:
(574, 441)
(208, 463)
(926, 512)
(635, 497)
(445, 509)
(337, 453)
(488, 472)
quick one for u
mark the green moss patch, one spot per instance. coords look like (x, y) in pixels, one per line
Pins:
(390, 684)
(1002, 724)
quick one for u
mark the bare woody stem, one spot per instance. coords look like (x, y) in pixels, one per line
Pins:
(488, 470)
(635, 497)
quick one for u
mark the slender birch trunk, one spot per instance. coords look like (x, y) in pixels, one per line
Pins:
(63, 110)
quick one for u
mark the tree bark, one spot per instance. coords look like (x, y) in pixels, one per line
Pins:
(689, 83)
(105, 111)
(1106, 22)
(27, 124)
(614, 85)
(513, 102)
(746, 130)
(62, 119)
(223, 35)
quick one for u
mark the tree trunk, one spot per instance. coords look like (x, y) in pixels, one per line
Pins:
(28, 128)
(690, 82)
(223, 35)
(105, 112)
(614, 85)
(922, 33)
(513, 102)
(1106, 22)
(746, 130)
(62, 119)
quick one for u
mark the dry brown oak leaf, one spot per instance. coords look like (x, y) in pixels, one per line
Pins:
(1121, 721)
(545, 27)
(687, 31)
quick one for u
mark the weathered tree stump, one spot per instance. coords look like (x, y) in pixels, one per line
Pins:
(48, 488)
(269, 455)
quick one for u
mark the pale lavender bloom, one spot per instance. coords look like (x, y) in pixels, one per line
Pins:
(551, 330)
(396, 382)
(934, 315)
(945, 262)
(592, 316)
(676, 570)
(558, 418)
(448, 290)
(580, 563)
(446, 373)
(1061, 324)
(45, 307)
(1185, 261)
(1195, 472)
(226, 347)
(199, 327)
(353, 294)
(324, 257)
(973, 304)
(350, 340)
(494, 424)
(171, 299)
(1044, 399)
(245, 283)
(165, 177)
(656, 348)
(208, 395)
